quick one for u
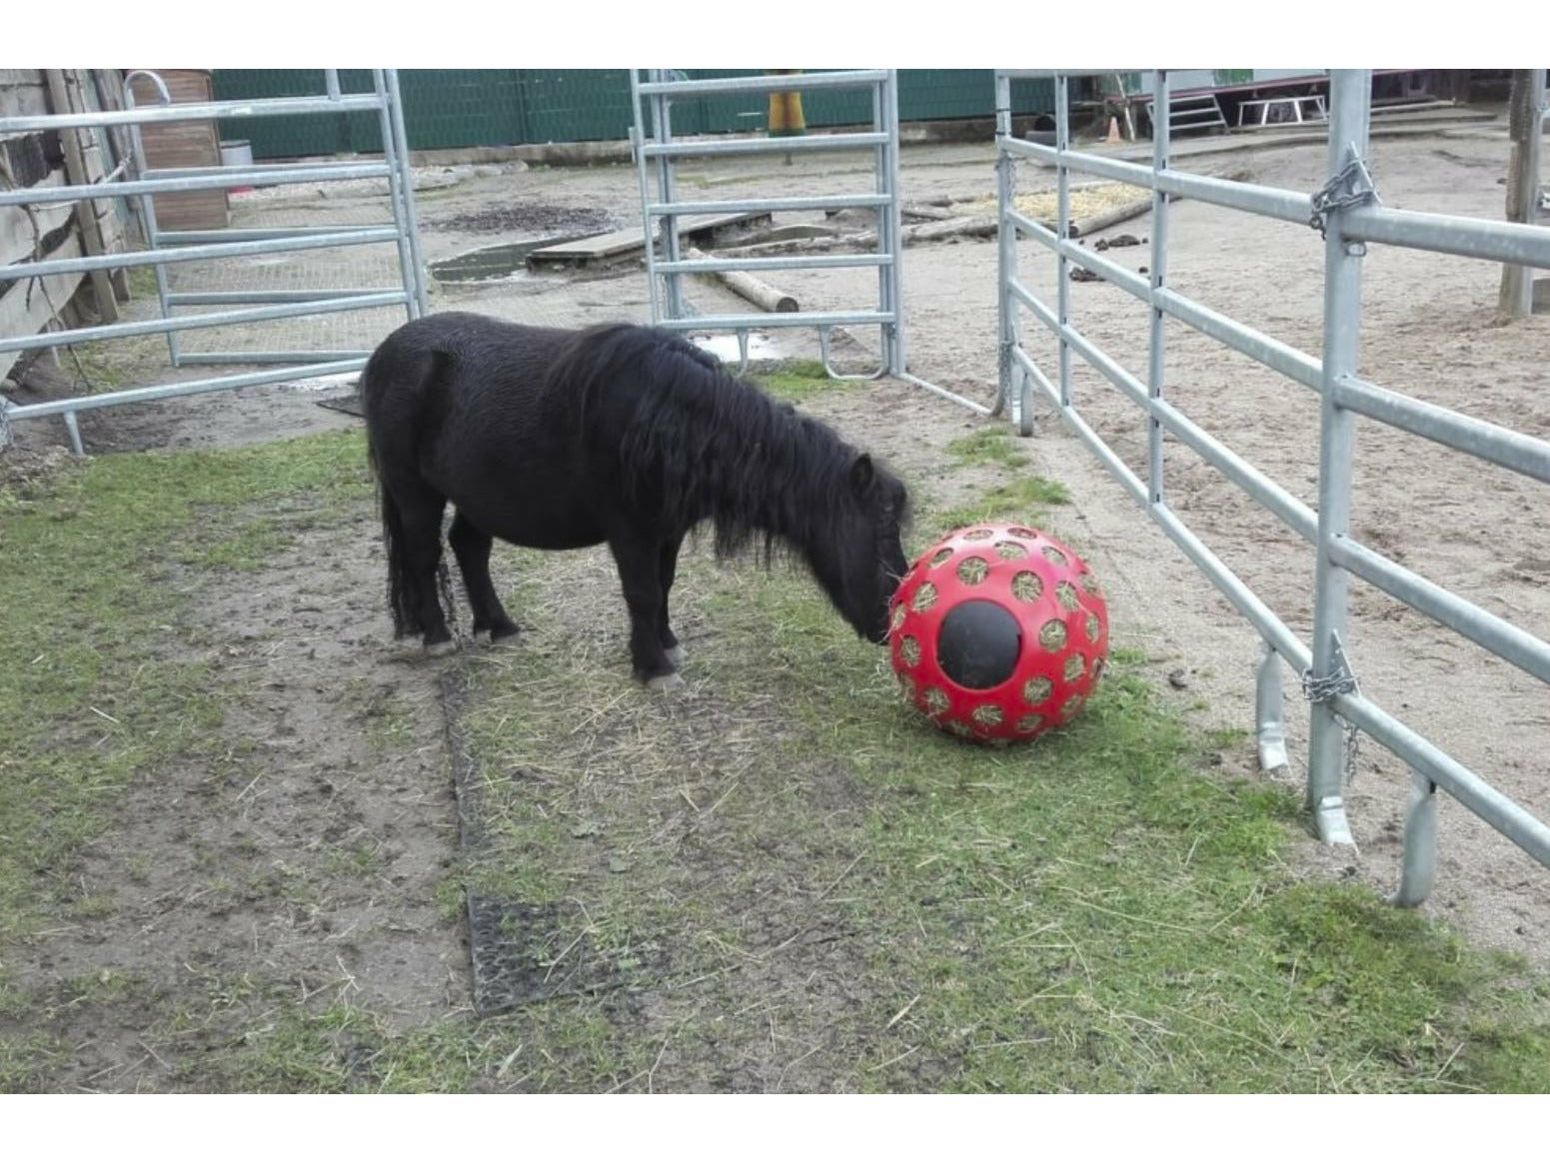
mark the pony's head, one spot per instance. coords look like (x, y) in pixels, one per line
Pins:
(865, 562)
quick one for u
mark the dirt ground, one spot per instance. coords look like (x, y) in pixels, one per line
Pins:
(1427, 331)
(297, 851)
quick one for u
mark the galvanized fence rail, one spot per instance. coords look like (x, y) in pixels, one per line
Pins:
(165, 248)
(1350, 215)
(656, 153)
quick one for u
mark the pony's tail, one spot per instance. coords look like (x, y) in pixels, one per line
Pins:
(403, 590)
(402, 600)
(403, 596)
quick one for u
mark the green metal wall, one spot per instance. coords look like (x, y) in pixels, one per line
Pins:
(452, 108)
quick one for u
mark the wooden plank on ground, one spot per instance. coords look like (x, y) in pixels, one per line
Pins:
(619, 242)
(22, 313)
(16, 236)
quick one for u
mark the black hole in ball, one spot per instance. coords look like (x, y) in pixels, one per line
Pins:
(979, 644)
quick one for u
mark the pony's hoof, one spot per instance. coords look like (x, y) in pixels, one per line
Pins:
(676, 655)
(440, 649)
(665, 682)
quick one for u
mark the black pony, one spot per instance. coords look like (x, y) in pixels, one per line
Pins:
(563, 439)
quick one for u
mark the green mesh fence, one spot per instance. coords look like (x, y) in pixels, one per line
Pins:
(460, 108)
(325, 133)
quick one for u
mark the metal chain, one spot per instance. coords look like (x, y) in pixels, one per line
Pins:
(1358, 188)
(1353, 743)
(1324, 690)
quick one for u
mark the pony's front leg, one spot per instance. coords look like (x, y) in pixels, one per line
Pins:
(638, 557)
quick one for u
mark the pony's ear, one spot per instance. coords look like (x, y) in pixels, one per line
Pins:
(861, 474)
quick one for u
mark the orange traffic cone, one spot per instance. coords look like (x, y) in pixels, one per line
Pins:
(1113, 138)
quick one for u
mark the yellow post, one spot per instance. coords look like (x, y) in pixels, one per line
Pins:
(786, 118)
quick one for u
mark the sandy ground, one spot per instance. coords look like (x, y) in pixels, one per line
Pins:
(1427, 330)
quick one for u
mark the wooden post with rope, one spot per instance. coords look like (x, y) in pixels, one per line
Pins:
(1515, 300)
(86, 216)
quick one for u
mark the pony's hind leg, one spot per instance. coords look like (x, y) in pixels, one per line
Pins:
(471, 545)
(667, 572)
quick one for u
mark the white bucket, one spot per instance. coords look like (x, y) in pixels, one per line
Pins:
(237, 154)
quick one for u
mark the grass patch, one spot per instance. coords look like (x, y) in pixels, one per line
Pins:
(798, 381)
(142, 282)
(91, 572)
(105, 365)
(1094, 912)
(987, 446)
(25, 1062)
(253, 543)
(344, 1048)
(1025, 498)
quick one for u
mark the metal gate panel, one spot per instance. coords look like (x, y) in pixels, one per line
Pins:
(1349, 214)
(169, 248)
(657, 150)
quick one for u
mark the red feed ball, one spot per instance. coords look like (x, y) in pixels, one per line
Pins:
(998, 632)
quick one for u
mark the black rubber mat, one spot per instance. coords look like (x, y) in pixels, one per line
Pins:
(522, 952)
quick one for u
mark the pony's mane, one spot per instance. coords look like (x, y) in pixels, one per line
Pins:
(703, 443)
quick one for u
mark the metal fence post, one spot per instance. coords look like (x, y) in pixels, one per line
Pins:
(1536, 124)
(1418, 863)
(1161, 129)
(395, 187)
(661, 116)
(894, 244)
(881, 171)
(1270, 721)
(1350, 101)
(638, 141)
(1009, 375)
(406, 183)
(147, 210)
(1063, 229)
